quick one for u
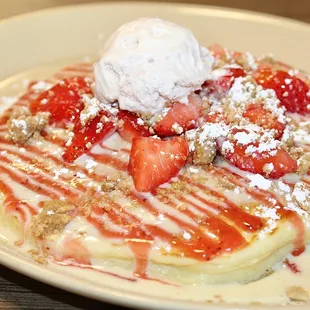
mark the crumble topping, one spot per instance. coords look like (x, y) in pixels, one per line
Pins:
(177, 188)
(303, 163)
(204, 153)
(109, 186)
(301, 194)
(52, 219)
(245, 91)
(38, 257)
(287, 140)
(22, 125)
(56, 214)
(91, 109)
(297, 294)
(202, 142)
(227, 185)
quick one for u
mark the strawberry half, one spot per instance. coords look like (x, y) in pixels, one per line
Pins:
(282, 162)
(86, 136)
(131, 128)
(215, 117)
(63, 101)
(184, 115)
(257, 114)
(292, 92)
(153, 162)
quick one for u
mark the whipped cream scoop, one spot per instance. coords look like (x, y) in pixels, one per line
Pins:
(149, 62)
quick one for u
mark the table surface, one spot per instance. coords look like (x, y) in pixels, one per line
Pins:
(20, 292)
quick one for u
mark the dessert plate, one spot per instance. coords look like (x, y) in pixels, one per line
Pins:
(36, 45)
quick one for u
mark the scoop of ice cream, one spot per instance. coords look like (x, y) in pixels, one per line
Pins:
(149, 62)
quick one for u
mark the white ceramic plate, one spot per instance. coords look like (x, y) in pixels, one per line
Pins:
(36, 44)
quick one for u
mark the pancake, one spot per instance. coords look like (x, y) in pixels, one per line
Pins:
(207, 225)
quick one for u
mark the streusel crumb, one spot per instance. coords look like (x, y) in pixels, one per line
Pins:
(297, 293)
(109, 185)
(22, 125)
(37, 257)
(177, 188)
(303, 164)
(205, 153)
(52, 219)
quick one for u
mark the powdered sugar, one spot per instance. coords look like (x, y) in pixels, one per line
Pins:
(90, 163)
(259, 181)
(284, 187)
(227, 147)
(245, 138)
(271, 216)
(213, 131)
(91, 109)
(41, 86)
(177, 128)
(245, 91)
(69, 141)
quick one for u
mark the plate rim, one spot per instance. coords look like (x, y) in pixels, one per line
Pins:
(202, 8)
(38, 272)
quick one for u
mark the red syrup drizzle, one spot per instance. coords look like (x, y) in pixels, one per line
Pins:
(132, 241)
(263, 196)
(241, 218)
(83, 260)
(139, 236)
(291, 266)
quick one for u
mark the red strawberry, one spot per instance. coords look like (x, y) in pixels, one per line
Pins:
(131, 128)
(153, 162)
(268, 62)
(217, 51)
(86, 136)
(281, 160)
(257, 114)
(63, 101)
(223, 80)
(184, 115)
(291, 91)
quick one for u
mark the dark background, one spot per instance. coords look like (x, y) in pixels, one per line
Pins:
(20, 292)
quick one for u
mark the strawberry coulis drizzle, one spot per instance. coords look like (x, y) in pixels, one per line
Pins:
(263, 196)
(241, 218)
(292, 266)
(138, 237)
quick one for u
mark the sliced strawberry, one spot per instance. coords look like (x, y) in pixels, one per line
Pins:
(153, 162)
(215, 117)
(256, 162)
(86, 136)
(292, 92)
(257, 114)
(218, 51)
(224, 56)
(131, 128)
(181, 115)
(223, 80)
(63, 101)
